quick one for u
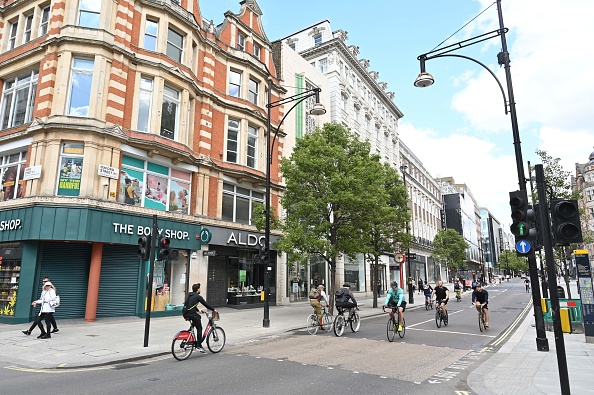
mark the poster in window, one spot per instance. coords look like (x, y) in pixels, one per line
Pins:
(179, 197)
(21, 182)
(155, 195)
(9, 182)
(131, 184)
(70, 174)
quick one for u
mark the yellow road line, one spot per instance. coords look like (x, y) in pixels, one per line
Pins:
(55, 371)
(520, 317)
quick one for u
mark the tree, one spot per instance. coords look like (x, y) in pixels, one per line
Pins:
(512, 263)
(449, 247)
(334, 189)
(388, 226)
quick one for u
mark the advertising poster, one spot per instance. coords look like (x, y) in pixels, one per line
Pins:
(156, 195)
(70, 174)
(179, 197)
(131, 184)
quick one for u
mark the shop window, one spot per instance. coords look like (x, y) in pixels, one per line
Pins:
(175, 45)
(238, 203)
(71, 165)
(12, 168)
(168, 282)
(170, 112)
(89, 13)
(81, 78)
(147, 184)
(18, 99)
(9, 277)
(28, 28)
(232, 141)
(150, 35)
(145, 97)
(234, 83)
(252, 147)
(44, 21)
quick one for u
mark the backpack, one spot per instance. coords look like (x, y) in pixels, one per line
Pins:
(314, 293)
(185, 309)
(339, 292)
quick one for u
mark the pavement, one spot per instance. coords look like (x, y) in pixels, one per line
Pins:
(515, 368)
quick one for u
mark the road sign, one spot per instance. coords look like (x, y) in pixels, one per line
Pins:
(412, 256)
(523, 246)
(399, 258)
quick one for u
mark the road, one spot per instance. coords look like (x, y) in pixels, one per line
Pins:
(425, 360)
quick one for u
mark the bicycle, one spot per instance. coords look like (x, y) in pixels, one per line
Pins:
(313, 324)
(440, 317)
(481, 318)
(340, 322)
(392, 328)
(428, 303)
(185, 341)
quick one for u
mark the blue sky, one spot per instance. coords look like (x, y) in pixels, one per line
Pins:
(458, 127)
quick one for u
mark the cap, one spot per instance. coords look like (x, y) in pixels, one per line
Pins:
(47, 283)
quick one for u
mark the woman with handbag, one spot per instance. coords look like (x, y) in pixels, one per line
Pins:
(47, 301)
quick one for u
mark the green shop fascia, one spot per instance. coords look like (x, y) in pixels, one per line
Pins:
(83, 248)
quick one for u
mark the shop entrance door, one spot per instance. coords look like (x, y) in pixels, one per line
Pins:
(217, 281)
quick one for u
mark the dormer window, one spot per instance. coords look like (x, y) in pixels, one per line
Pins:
(318, 40)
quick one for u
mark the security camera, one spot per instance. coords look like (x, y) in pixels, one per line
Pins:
(105, 183)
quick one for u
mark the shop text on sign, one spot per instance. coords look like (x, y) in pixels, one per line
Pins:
(146, 230)
(12, 224)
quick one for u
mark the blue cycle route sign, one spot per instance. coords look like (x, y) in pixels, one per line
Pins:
(523, 246)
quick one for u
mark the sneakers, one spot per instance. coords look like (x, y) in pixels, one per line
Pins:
(44, 336)
(27, 333)
(199, 348)
(399, 328)
(486, 324)
(56, 330)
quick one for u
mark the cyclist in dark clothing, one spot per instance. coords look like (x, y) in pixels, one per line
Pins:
(344, 297)
(480, 297)
(194, 298)
(442, 295)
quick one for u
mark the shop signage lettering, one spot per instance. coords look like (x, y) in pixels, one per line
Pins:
(245, 240)
(13, 224)
(140, 230)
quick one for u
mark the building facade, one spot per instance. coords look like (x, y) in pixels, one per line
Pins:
(584, 182)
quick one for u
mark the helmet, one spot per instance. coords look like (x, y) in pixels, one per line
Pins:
(394, 284)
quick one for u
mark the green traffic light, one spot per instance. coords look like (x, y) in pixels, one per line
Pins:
(522, 228)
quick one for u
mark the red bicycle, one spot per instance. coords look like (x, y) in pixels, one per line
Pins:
(185, 341)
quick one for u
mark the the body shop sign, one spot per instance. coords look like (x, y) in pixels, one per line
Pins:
(140, 230)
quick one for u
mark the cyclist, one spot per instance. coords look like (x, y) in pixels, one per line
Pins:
(344, 297)
(442, 295)
(395, 298)
(194, 298)
(480, 297)
(427, 291)
(527, 283)
(317, 303)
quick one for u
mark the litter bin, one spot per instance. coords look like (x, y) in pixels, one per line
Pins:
(561, 292)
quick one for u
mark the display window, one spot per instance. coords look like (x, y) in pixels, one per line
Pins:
(10, 271)
(12, 168)
(169, 282)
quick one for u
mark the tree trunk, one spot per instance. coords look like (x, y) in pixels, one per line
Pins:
(331, 281)
(374, 281)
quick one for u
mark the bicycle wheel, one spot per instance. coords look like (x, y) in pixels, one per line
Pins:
(312, 324)
(355, 322)
(481, 322)
(327, 321)
(438, 317)
(391, 329)
(215, 340)
(182, 345)
(427, 305)
(339, 324)
(401, 333)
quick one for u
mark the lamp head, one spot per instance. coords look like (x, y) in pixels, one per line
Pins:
(318, 108)
(424, 80)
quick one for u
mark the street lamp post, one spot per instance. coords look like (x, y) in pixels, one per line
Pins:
(317, 109)
(425, 79)
(408, 272)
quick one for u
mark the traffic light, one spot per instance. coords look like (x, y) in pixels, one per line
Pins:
(522, 215)
(264, 254)
(565, 215)
(164, 248)
(144, 247)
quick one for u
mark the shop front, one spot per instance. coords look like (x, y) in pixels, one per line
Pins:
(233, 278)
(91, 257)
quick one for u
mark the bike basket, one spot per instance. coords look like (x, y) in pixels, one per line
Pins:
(215, 316)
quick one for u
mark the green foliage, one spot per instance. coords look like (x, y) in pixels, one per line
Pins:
(510, 260)
(558, 180)
(259, 216)
(449, 247)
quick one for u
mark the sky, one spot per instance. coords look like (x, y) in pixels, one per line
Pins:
(457, 127)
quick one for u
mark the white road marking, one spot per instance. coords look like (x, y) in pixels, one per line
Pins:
(452, 332)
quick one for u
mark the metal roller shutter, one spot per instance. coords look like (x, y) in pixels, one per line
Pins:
(217, 281)
(118, 288)
(67, 264)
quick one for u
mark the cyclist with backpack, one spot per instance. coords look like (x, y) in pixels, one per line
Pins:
(190, 312)
(316, 296)
(344, 296)
(395, 298)
(427, 291)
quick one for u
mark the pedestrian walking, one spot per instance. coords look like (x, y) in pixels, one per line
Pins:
(46, 312)
(420, 286)
(379, 288)
(53, 318)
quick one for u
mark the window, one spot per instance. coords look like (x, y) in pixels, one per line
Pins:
(232, 141)
(12, 168)
(234, 83)
(169, 113)
(238, 203)
(144, 103)
(240, 42)
(253, 94)
(323, 65)
(147, 184)
(44, 21)
(150, 35)
(317, 40)
(252, 147)
(18, 99)
(28, 27)
(257, 50)
(89, 13)
(12, 35)
(175, 45)
(71, 164)
(81, 78)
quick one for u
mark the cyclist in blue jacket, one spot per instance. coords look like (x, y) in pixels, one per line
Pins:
(395, 298)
